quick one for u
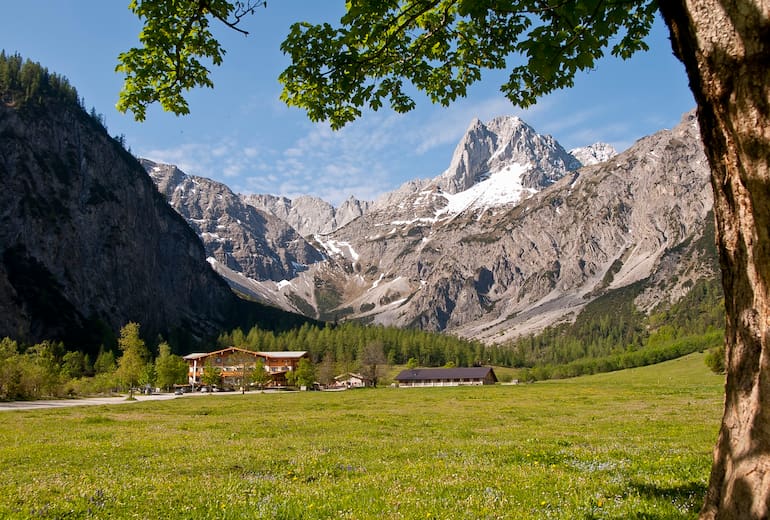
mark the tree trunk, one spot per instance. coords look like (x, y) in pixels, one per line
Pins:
(724, 46)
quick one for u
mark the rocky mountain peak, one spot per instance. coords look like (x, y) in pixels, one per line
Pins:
(308, 215)
(594, 154)
(635, 219)
(513, 236)
(490, 147)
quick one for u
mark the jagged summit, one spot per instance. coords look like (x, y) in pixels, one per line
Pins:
(490, 147)
(594, 154)
(496, 164)
(235, 234)
(308, 215)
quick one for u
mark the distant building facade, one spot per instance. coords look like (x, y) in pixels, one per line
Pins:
(458, 376)
(233, 362)
(352, 380)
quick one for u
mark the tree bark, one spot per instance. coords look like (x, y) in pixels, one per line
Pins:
(724, 46)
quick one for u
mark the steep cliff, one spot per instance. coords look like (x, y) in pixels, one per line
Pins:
(87, 243)
(236, 235)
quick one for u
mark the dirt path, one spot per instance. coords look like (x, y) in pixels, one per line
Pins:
(90, 401)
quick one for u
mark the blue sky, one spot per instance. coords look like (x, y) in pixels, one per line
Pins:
(241, 134)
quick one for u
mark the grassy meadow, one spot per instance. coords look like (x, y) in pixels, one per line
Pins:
(626, 445)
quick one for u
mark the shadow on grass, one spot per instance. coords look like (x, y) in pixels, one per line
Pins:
(687, 499)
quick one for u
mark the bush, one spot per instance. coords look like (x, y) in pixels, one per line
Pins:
(715, 359)
(100, 384)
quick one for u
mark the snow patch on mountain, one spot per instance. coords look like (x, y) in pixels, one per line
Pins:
(500, 188)
(338, 248)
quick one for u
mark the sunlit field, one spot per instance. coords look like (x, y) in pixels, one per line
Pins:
(632, 444)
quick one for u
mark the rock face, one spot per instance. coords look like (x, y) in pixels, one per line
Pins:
(87, 243)
(594, 154)
(500, 143)
(235, 234)
(308, 215)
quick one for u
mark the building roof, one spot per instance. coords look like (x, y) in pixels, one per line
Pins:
(199, 355)
(427, 374)
(284, 354)
(349, 375)
(293, 354)
(196, 355)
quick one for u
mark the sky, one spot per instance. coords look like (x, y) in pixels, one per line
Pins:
(241, 134)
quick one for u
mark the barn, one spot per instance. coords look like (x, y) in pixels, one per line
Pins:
(458, 376)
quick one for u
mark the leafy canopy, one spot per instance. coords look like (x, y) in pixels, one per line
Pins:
(176, 45)
(442, 46)
(132, 363)
(384, 49)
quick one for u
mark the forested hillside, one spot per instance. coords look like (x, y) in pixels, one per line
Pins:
(24, 81)
(611, 334)
(87, 244)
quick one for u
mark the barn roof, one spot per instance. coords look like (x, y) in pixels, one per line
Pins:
(426, 374)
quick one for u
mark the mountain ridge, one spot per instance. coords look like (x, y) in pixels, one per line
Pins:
(234, 233)
(479, 262)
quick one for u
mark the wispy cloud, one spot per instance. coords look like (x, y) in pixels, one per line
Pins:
(364, 159)
(337, 164)
(224, 160)
(379, 151)
(447, 126)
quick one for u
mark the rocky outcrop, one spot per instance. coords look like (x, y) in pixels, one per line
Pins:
(594, 154)
(235, 234)
(503, 141)
(308, 215)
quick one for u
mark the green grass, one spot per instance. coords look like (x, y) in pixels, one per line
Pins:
(633, 444)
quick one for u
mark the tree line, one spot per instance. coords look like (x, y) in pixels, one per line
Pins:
(610, 334)
(24, 81)
(347, 342)
(47, 369)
